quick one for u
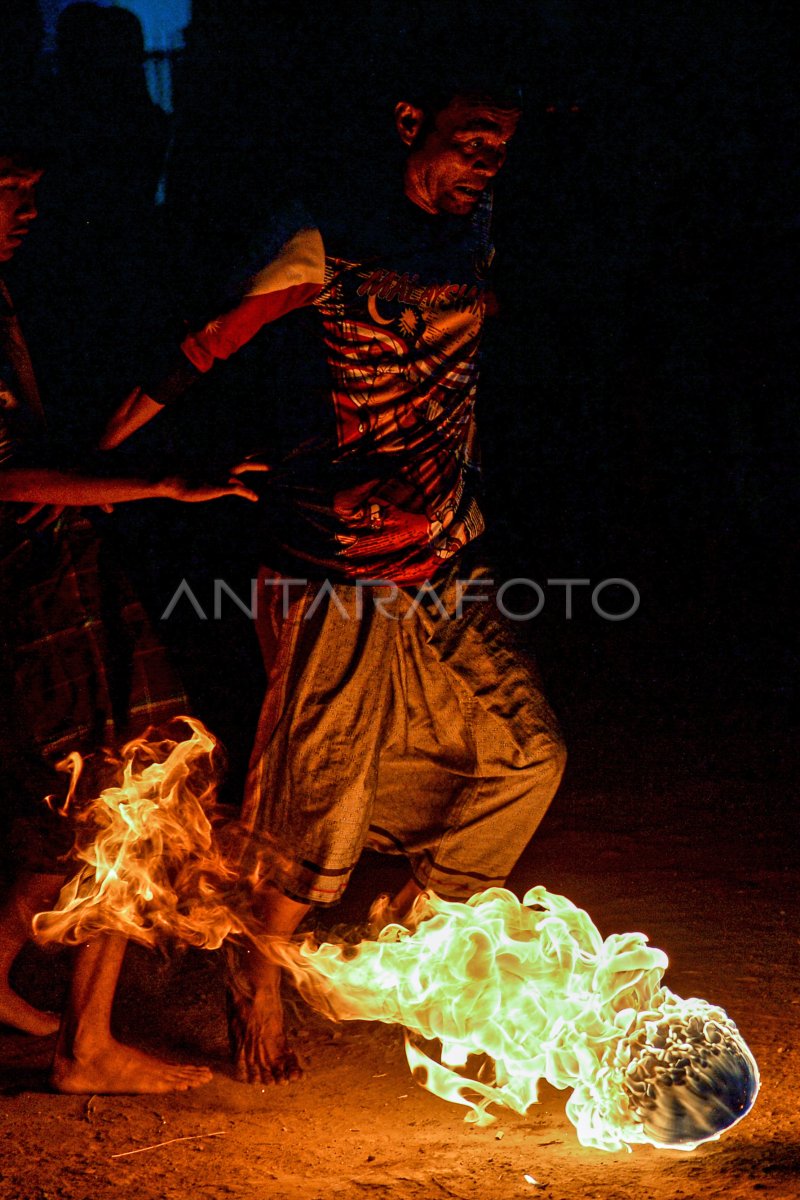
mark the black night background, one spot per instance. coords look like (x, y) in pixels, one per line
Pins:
(637, 417)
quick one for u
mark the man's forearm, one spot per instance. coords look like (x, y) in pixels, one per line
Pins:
(135, 411)
(44, 485)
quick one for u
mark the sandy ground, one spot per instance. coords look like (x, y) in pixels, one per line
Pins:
(684, 846)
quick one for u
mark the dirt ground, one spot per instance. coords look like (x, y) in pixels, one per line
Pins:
(683, 844)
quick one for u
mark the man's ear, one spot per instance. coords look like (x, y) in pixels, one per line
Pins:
(408, 121)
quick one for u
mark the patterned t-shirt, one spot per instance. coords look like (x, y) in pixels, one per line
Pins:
(400, 299)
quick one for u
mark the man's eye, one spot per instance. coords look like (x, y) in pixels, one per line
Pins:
(475, 144)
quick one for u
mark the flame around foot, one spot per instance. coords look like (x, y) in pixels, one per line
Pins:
(536, 988)
(531, 985)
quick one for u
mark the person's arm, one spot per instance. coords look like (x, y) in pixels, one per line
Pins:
(292, 279)
(45, 485)
(136, 410)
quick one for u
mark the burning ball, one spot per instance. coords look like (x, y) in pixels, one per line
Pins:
(534, 987)
(694, 1077)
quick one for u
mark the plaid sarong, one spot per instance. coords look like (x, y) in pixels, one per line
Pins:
(80, 669)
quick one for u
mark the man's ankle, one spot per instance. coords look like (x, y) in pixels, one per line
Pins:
(80, 1040)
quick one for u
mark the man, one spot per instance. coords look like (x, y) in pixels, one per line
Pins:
(79, 669)
(396, 716)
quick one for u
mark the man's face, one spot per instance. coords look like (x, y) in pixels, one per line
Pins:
(449, 169)
(17, 205)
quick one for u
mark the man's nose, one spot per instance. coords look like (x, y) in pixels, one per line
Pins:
(26, 208)
(490, 160)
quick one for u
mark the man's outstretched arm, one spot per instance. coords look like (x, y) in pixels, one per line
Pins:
(47, 485)
(292, 279)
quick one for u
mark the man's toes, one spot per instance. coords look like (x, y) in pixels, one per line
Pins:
(292, 1069)
(264, 1066)
(193, 1083)
(286, 1069)
(197, 1076)
(249, 1068)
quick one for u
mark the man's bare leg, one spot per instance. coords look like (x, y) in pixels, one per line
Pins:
(393, 910)
(88, 1059)
(260, 1051)
(403, 902)
(31, 893)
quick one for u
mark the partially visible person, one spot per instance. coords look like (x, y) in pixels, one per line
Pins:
(80, 669)
(410, 728)
(93, 266)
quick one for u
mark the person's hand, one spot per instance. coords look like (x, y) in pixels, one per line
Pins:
(48, 514)
(178, 488)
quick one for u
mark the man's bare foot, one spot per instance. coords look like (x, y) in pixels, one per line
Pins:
(259, 1048)
(112, 1069)
(17, 1012)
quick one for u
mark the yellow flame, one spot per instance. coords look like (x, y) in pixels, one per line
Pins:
(534, 986)
(73, 766)
(530, 985)
(152, 865)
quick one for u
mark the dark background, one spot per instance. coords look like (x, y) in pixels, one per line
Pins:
(636, 404)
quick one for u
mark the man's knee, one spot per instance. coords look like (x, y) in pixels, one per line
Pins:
(546, 763)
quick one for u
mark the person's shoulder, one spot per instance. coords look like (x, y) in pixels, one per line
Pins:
(282, 221)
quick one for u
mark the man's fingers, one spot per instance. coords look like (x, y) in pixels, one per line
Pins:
(30, 513)
(50, 515)
(237, 488)
(47, 514)
(249, 465)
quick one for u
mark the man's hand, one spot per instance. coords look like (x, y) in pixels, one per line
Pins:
(178, 488)
(48, 513)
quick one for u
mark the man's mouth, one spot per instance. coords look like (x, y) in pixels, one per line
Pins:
(464, 189)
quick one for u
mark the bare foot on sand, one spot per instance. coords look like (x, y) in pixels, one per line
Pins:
(259, 1048)
(110, 1068)
(17, 1012)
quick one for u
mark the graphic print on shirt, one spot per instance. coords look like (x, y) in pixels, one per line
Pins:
(403, 360)
(401, 326)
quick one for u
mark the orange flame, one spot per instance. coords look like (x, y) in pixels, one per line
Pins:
(531, 985)
(153, 866)
(535, 987)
